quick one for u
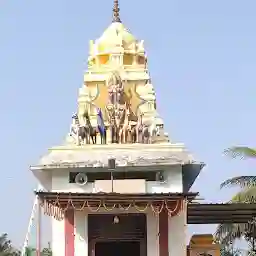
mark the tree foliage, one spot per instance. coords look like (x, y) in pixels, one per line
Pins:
(7, 249)
(228, 233)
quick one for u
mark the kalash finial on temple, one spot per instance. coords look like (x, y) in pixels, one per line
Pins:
(116, 14)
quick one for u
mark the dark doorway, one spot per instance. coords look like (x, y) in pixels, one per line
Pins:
(116, 248)
(128, 236)
(130, 227)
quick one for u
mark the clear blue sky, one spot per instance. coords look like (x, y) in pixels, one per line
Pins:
(202, 61)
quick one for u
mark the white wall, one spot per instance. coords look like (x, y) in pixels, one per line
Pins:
(177, 234)
(60, 183)
(81, 233)
(58, 237)
(44, 179)
(172, 183)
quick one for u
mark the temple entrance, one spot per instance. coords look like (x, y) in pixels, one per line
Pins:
(121, 234)
(112, 248)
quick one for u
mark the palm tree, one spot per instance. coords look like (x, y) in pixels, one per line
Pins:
(247, 194)
(30, 251)
(227, 233)
(226, 251)
(6, 248)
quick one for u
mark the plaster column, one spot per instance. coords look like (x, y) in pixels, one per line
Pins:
(81, 233)
(69, 233)
(177, 235)
(163, 233)
(38, 231)
(58, 237)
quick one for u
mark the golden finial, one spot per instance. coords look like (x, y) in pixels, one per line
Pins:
(116, 15)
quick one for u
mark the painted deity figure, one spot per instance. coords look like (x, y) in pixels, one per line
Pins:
(115, 89)
(115, 109)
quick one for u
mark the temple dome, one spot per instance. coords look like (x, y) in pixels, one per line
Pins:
(115, 34)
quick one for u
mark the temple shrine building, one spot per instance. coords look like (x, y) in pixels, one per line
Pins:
(118, 185)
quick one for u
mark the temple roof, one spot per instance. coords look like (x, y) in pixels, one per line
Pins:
(114, 34)
(125, 155)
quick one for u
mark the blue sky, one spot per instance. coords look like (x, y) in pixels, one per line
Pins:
(202, 60)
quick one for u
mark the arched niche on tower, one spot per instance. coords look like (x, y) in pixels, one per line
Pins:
(128, 59)
(103, 59)
(141, 60)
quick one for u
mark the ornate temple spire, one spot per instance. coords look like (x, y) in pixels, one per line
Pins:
(116, 14)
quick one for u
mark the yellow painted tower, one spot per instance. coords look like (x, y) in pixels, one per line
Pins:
(117, 83)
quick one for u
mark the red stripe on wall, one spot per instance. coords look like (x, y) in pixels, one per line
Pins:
(163, 233)
(69, 233)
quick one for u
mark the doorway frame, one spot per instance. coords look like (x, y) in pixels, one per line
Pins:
(92, 244)
(143, 241)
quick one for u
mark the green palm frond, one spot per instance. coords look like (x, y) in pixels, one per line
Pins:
(230, 252)
(229, 232)
(241, 152)
(6, 248)
(5, 244)
(241, 181)
(247, 195)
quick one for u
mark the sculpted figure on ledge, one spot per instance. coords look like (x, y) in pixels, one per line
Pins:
(78, 131)
(115, 89)
(115, 109)
(84, 133)
(123, 126)
(101, 127)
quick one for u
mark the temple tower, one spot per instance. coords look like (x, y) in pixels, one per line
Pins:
(117, 178)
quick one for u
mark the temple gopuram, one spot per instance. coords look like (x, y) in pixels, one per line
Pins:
(118, 185)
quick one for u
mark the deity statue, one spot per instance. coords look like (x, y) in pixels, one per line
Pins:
(115, 109)
(78, 132)
(136, 131)
(115, 89)
(91, 131)
(124, 132)
(112, 123)
(149, 131)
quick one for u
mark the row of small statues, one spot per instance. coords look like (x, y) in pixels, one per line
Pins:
(121, 129)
